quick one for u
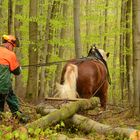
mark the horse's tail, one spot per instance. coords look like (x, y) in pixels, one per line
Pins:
(71, 75)
(68, 89)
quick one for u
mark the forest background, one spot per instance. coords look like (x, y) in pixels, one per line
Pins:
(58, 30)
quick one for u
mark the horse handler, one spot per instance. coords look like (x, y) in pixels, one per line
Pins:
(8, 65)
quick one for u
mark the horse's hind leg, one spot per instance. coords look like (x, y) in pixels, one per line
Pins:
(103, 101)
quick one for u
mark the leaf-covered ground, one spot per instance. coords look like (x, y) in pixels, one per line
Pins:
(114, 116)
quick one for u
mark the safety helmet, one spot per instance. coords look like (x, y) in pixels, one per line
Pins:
(11, 39)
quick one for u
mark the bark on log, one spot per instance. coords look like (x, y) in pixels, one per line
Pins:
(87, 125)
(44, 109)
(82, 122)
(63, 113)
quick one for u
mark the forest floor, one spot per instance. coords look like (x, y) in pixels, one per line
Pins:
(116, 116)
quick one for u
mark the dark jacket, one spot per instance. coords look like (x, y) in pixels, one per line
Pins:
(8, 65)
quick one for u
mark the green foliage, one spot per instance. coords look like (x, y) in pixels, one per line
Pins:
(92, 27)
(59, 126)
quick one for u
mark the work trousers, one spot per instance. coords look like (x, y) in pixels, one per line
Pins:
(11, 100)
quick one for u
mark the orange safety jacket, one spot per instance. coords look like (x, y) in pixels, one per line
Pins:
(8, 65)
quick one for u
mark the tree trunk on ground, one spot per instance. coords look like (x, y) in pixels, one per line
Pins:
(87, 125)
(63, 113)
(44, 109)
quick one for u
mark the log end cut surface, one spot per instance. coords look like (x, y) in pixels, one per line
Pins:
(135, 135)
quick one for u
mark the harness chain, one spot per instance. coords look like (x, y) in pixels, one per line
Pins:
(53, 63)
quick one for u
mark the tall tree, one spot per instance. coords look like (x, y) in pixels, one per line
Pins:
(77, 39)
(48, 47)
(128, 51)
(115, 55)
(122, 47)
(42, 84)
(136, 53)
(87, 23)
(10, 16)
(51, 31)
(17, 25)
(1, 16)
(32, 87)
(106, 27)
(62, 37)
(54, 8)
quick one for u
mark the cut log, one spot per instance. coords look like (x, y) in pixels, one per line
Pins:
(44, 109)
(87, 125)
(63, 113)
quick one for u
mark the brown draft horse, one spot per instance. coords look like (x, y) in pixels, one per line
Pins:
(86, 77)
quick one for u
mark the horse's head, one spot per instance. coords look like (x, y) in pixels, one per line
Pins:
(98, 53)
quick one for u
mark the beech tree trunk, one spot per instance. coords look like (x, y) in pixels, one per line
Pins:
(19, 86)
(129, 52)
(87, 26)
(1, 17)
(122, 47)
(10, 17)
(63, 37)
(55, 5)
(32, 84)
(77, 39)
(115, 56)
(87, 125)
(106, 26)
(136, 54)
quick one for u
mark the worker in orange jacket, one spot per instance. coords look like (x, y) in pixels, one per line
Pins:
(8, 65)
